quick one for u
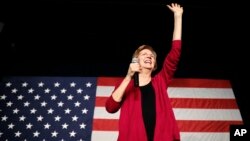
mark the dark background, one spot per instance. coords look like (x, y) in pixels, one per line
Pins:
(98, 37)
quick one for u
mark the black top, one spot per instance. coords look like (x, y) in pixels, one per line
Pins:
(148, 109)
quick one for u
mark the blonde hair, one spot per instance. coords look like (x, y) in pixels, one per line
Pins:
(142, 47)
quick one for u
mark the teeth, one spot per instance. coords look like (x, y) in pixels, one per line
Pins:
(147, 61)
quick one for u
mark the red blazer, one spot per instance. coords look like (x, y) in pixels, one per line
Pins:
(131, 125)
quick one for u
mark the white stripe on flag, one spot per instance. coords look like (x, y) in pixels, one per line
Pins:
(104, 135)
(219, 93)
(178, 92)
(184, 114)
(207, 114)
(185, 136)
(104, 91)
(101, 113)
(203, 136)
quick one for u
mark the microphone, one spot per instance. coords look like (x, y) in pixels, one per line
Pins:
(136, 74)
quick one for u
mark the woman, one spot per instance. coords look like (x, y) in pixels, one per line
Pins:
(146, 113)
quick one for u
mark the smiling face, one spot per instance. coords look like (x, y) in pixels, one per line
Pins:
(147, 57)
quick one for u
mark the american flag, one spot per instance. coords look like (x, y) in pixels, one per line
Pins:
(72, 108)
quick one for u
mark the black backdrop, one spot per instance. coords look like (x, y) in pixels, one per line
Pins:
(97, 38)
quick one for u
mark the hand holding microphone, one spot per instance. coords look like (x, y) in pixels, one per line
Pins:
(136, 74)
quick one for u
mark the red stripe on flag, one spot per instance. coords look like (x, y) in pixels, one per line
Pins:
(184, 125)
(205, 126)
(105, 124)
(177, 82)
(200, 83)
(100, 101)
(108, 81)
(190, 103)
(204, 103)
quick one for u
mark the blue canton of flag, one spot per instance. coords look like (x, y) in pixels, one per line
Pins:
(47, 108)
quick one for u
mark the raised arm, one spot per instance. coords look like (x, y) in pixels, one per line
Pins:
(172, 59)
(178, 11)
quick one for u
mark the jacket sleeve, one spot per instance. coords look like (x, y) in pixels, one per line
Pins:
(111, 105)
(171, 61)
